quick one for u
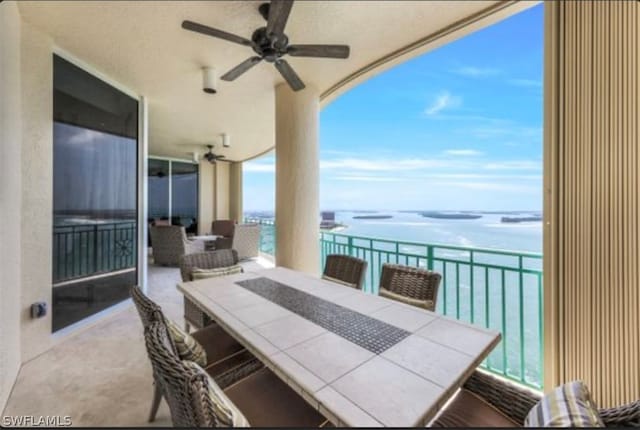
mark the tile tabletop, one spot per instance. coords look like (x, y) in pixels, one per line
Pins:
(402, 386)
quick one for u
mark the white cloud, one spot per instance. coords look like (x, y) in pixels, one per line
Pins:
(383, 164)
(367, 178)
(443, 101)
(463, 152)
(526, 83)
(514, 165)
(477, 72)
(488, 186)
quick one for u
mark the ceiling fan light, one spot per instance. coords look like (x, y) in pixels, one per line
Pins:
(209, 80)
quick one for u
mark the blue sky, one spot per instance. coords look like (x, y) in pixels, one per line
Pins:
(457, 128)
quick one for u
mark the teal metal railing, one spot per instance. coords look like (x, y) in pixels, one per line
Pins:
(496, 289)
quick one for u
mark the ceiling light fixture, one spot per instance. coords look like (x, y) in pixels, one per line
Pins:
(226, 140)
(209, 80)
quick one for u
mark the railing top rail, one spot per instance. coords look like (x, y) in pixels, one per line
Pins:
(514, 253)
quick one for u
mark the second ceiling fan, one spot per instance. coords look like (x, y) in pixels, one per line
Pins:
(271, 44)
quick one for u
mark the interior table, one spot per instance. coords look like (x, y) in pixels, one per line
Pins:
(360, 359)
(209, 241)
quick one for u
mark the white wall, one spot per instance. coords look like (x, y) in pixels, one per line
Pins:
(10, 197)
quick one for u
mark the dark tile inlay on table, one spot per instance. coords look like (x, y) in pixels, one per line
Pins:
(369, 333)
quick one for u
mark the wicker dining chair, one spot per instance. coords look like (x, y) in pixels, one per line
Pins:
(489, 401)
(345, 270)
(260, 399)
(193, 315)
(410, 285)
(227, 360)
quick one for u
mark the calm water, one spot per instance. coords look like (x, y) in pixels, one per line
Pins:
(485, 232)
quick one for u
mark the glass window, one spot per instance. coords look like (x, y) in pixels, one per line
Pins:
(95, 147)
(184, 195)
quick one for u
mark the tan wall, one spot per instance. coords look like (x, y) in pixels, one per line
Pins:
(297, 179)
(592, 204)
(206, 192)
(222, 190)
(37, 189)
(10, 198)
(235, 192)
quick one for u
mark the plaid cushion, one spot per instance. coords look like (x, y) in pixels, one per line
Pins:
(188, 348)
(198, 273)
(568, 405)
(225, 412)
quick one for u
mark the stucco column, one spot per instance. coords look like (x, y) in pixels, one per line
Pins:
(235, 192)
(297, 173)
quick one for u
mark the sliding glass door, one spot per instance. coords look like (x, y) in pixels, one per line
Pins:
(173, 193)
(95, 167)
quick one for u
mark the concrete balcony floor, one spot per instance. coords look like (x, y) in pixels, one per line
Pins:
(101, 376)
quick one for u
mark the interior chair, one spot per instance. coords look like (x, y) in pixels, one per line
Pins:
(345, 269)
(246, 240)
(169, 243)
(488, 401)
(225, 229)
(227, 360)
(410, 285)
(193, 315)
(195, 400)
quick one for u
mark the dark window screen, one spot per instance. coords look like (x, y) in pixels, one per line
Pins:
(95, 176)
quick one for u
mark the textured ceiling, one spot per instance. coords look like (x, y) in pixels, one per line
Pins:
(142, 46)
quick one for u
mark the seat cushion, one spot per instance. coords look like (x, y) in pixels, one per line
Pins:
(338, 281)
(569, 405)
(225, 412)
(468, 410)
(187, 346)
(266, 401)
(198, 273)
(217, 343)
(425, 304)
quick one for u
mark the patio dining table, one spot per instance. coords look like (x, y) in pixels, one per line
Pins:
(360, 359)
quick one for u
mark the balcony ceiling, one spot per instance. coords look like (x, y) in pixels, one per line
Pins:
(142, 46)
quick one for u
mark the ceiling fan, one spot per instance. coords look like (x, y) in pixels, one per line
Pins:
(271, 44)
(211, 157)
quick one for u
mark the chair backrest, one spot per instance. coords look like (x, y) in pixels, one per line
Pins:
(246, 240)
(223, 227)
(206, 260)
(168, 243)
(418, 285)
(183, 387)
(150, 312)
(346, 268)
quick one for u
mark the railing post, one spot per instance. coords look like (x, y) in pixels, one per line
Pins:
(430, 257)
(350, 245)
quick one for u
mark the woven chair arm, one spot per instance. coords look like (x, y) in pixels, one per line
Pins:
(512, 400)
(622, 416)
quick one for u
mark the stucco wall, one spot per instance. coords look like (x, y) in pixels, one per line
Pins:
(222, 190)
(206, 193)
(10, 198)
(37, 189)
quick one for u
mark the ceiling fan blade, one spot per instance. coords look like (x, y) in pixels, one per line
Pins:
(209, 31)
(289, 75)
(278, 15)
(324, 51)
(240, 68)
